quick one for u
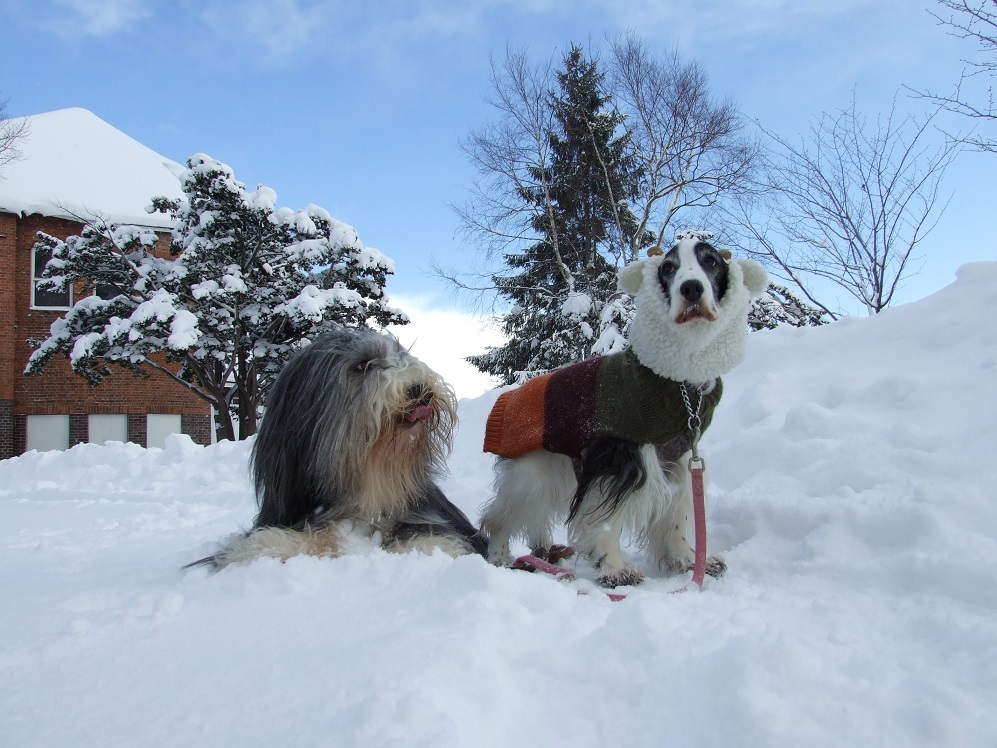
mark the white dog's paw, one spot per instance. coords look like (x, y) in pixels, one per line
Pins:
(553, 553)
(628, 576)
(715, 565)
(676, 564)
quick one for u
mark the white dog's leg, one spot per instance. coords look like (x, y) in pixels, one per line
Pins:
(604, 541)
(531, 493)
(596, 534)
(668, 534)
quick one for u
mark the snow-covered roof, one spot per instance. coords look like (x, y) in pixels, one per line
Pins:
(75, 164)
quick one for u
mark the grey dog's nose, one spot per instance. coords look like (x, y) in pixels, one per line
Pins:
(419, 393)
(691, 290)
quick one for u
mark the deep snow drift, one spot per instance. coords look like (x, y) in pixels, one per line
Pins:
(851, 492)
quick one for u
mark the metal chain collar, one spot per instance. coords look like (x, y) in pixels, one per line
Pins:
(695, 422)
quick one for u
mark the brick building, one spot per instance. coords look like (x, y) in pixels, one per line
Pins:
(74, 164)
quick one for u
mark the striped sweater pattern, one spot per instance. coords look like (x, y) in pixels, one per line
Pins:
(612, 396)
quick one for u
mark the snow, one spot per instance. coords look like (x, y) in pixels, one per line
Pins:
(576, 304)
(75, 164)
(851, 492)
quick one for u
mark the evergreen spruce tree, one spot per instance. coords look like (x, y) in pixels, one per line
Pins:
(559, 286)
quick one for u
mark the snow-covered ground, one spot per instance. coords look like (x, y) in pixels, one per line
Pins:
(852, 492)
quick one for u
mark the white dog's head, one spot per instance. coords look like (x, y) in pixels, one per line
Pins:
(692, 309)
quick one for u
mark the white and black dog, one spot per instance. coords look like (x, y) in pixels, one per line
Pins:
(356, 431)
(604, 443)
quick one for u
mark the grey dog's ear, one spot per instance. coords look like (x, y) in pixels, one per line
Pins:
(629, 279)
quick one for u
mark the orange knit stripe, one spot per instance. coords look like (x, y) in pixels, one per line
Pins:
(516, 424)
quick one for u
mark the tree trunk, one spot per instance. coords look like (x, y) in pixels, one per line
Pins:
(223, 422)
(247, 416)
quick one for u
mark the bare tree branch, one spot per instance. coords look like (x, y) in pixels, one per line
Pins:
(691, 149)
(974, 21)
(12, 133)
(849, 204)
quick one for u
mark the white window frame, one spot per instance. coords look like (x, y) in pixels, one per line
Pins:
(34, 286)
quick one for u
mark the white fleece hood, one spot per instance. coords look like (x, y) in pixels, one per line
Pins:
(695, 351)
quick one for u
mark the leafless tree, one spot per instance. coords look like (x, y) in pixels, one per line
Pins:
(12, 132)
(848, 205)
(973, 97)
(691, 149)
(511, 157)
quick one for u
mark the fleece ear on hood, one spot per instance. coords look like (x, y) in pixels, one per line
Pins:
(691, 352)
(756, 278)
(628, 280)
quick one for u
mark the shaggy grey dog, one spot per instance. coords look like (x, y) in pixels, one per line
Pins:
(355, 434)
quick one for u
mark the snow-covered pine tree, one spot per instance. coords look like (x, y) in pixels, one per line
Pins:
(246, 284)
(558, 286)
(780, 306)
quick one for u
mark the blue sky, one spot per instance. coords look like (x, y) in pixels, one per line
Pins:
(360, 107)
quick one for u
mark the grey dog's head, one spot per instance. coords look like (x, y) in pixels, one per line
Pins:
(355, 425)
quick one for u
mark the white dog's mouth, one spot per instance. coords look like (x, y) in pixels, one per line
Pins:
(695, 311)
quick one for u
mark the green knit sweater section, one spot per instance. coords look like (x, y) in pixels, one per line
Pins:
(635, 404)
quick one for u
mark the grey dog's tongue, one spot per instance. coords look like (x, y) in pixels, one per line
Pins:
(421, 413)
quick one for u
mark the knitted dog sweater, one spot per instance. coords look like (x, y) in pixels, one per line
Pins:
(606, 396)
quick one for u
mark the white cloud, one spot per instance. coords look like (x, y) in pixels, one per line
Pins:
(100, 17)
(277, 28)
(442, 338)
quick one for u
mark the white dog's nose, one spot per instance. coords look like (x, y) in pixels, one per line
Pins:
(691, 290)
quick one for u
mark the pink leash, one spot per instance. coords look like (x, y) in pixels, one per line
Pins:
(529, 562)
(696, 467)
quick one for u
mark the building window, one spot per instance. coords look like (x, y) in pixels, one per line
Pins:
(43, 299)
(107, 427)
(47, 432)
(107, 291)
(159, 426)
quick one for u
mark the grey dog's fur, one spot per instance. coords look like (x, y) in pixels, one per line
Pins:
(356, 431)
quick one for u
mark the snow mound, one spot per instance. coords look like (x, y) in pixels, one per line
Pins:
(851, 491)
